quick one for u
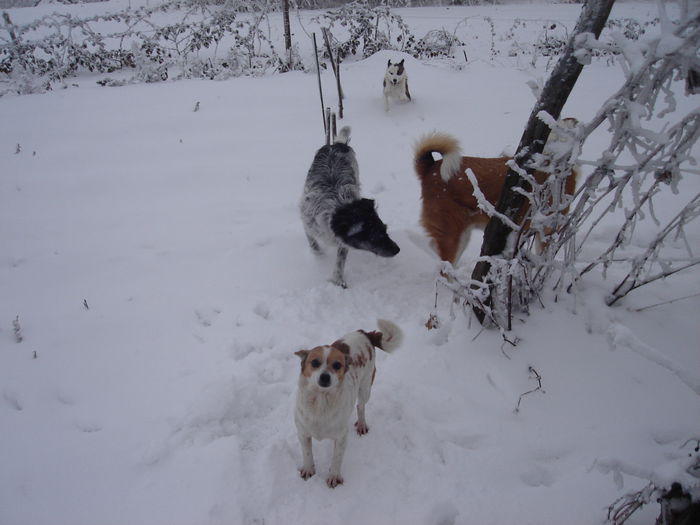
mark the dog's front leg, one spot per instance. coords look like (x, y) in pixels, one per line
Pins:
(340, 267)
(307, 469)
(313, 244)
(334, 478)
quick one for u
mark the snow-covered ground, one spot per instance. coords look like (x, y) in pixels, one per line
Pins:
(153, 262)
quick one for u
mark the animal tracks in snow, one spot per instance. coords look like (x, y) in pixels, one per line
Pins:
(11, 400)
(537, 476)
(206, 316)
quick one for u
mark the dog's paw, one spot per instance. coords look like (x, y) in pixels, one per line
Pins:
(306, 473)
(341, 283)
(361, 427)
(334, 481)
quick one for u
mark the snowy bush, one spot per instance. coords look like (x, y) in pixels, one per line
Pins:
(360, 29)
(649, 153)
(34, 57)
(674, 485)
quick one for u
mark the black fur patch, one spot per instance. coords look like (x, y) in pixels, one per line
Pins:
(358, 225)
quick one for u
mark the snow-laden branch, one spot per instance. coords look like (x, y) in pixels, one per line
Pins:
(651, 149)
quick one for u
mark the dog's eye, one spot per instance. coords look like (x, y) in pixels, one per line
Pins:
(337, 365)
(315, 363)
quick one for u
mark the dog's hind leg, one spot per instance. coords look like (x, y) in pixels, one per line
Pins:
(307, 468)
(340, 267)
(334, 478)
(362, 398)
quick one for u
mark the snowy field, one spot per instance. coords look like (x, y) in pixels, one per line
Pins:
(153, 262)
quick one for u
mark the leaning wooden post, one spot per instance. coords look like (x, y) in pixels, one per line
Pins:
(320, 88)
(335, 65)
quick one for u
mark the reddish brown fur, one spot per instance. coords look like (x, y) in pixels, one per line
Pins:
(342, 346)
(450, 208)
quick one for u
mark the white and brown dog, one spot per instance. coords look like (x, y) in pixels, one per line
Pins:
(333, 378)
(395, 84)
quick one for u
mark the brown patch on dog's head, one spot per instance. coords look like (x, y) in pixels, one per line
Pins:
(310, 360)
(323, 360)
(337, 362)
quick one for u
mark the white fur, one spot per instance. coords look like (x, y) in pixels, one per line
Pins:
(323, 413)
(451, 164)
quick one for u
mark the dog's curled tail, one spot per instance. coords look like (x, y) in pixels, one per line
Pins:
(444, 144)
(390, 336)
(343, 136)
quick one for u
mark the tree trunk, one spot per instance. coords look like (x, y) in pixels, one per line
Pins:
(592, 20)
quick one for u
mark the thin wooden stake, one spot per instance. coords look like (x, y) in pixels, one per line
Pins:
(335, 65)
(341, 96)
(320, 89)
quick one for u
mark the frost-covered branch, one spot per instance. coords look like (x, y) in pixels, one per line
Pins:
(657, 146)
(674, 485)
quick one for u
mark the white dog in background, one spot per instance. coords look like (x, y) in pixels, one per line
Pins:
(333, 379)
(395, 84)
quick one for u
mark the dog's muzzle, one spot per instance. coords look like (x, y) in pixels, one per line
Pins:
(324, 380)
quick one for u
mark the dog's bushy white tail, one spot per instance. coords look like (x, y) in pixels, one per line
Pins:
(444, 144)
(392, 336)
(343, 135)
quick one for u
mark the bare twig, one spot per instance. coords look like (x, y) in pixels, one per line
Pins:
(538, 388)
(666, 302)
(320, 87)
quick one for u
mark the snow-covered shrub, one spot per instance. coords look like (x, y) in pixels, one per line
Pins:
(550, 42)
(675, 486)
(36, 56)
(632, 29)
(360, 29)
(650, 152)
(436, 43)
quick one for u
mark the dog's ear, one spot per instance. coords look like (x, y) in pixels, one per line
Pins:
(389, 63)
(401, 63)
(302, 354)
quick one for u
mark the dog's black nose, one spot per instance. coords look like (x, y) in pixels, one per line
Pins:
(324, 380)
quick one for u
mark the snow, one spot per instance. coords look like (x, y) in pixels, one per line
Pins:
(155, 263)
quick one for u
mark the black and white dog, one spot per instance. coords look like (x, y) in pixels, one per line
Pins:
(333, 212)
(395, 84)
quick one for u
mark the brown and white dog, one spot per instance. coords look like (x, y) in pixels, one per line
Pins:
(333, 378)
(450, 209)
